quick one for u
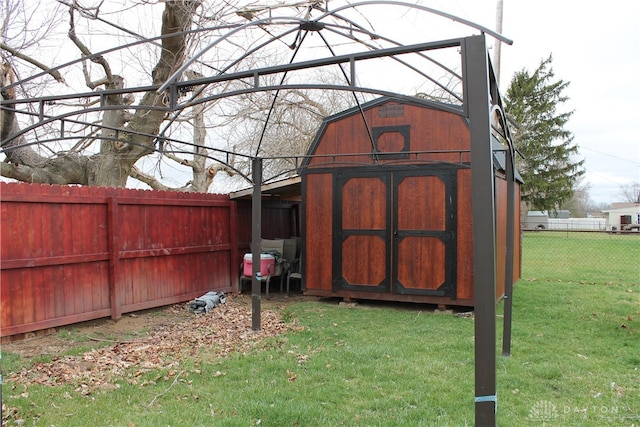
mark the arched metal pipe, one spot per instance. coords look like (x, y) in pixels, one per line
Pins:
(300, 21)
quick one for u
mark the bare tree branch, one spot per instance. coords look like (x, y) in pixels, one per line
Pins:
(99, 59)
(119, 150)
(58, 170)
(150, 180)
(178, 160)
(53, 73)
(631, 192)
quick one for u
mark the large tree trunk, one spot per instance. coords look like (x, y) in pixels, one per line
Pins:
(120, 150)
(201, 178)
(25, 164)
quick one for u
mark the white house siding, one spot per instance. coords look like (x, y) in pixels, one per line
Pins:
(612, 216)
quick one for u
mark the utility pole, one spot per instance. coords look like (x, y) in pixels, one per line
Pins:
(497, 46)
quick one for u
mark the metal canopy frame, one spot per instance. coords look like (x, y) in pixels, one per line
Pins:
(481, 106)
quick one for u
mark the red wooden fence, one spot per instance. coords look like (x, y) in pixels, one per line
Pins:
(71, 254)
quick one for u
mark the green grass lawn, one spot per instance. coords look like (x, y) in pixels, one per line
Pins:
(598, 258)
(575, 362)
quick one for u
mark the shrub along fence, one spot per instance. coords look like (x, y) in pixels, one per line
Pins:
(71, 254)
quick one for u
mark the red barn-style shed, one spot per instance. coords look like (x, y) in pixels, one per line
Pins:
(387, 212)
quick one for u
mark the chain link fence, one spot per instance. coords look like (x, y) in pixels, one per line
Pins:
(583, 257)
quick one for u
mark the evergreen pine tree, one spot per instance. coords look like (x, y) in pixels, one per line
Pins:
(549, 169)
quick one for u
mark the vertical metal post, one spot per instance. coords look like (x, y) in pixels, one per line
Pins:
(508, 275)
(256, 236)
(483, 217)
(497, 47)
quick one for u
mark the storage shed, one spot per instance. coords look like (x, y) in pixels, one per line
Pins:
(386, 200)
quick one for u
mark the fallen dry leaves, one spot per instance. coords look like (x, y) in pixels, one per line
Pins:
(225, 329)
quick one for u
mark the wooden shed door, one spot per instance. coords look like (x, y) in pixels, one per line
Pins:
(361, 232)
(395, 231)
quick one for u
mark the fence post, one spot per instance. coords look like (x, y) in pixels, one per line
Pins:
(234, 255)
(114, 258)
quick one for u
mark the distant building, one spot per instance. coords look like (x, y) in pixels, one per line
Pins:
(623, 216)
(561, 220)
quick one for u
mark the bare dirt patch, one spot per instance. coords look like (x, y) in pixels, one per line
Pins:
(130, 327)
(142, 341)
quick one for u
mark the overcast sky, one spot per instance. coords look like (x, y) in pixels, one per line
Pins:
(595, 47)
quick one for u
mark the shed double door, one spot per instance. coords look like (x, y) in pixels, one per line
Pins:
(394, 231)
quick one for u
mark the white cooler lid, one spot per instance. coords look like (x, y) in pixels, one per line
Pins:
(249, 256)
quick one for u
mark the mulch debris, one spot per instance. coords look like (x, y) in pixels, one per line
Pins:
(224, 330)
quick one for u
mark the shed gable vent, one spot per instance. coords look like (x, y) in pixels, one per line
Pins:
(393, 110)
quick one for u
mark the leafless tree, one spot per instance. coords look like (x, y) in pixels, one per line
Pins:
(126, 128)
(580, 203)
(124, 136)
(281, 125)
(631, 192)
(100, 126)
